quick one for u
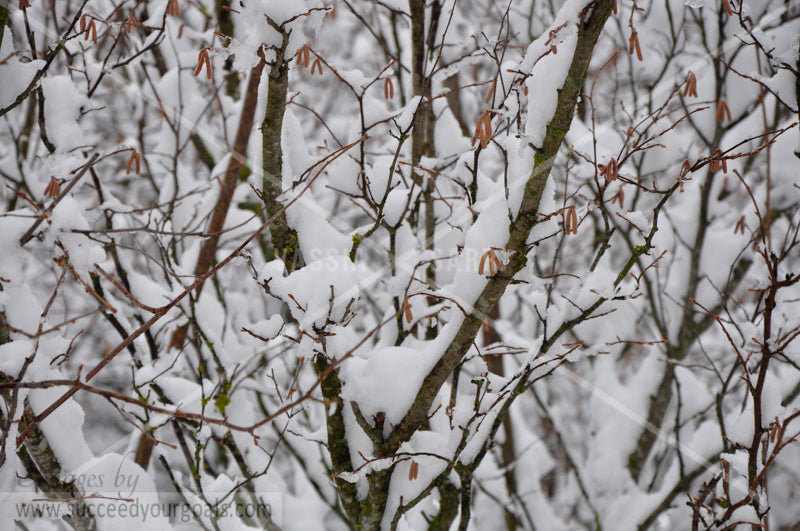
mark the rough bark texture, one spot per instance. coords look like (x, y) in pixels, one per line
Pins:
(338, 448)
(284, 239)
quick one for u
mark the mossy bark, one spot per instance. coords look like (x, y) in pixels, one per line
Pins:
(284, 238)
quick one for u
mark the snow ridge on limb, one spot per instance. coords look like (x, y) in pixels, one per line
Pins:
(591, 20)
(588, 19)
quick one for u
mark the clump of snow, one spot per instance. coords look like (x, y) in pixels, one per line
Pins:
(268, 328)
(741, 431)
(746, 514)
(426, 445)
(319, 292)
(126, 492)
(147, 290)
(23, 310)
(489, 234)
(343, 175)
(387, 382)
(254, 21)
(66, 217)
(395, 205)
(62, 428)
(304, 213)
(403, 121)
(447, 133)
(547, 78)
(295, 157)
(62, 106)
(13, 354)
(375, 110)
(16, 77)
(11, 229)
(378, 176)
(316, 236)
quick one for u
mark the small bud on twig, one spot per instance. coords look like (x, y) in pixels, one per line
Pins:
(302, 56)
(134, 159)
(633, 45)
(53, 188)
(173, 8)
(691, 85)
(570, 220)
(388, 89)
(722, 112)
(316, 65)
(203, 59)
(483, 130)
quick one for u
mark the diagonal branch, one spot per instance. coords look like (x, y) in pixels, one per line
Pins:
(592, 20)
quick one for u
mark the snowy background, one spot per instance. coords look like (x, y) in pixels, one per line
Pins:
(336, 264)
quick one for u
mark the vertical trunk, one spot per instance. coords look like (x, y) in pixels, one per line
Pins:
(284, 239)
(422, 136)
(507, 451)
(3, 20)
(454, 102)
(226, 29)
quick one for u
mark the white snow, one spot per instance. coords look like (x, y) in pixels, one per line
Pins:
(395, 206)
(62, 106)
(387, 381)
(16, 76)
(319, 292)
